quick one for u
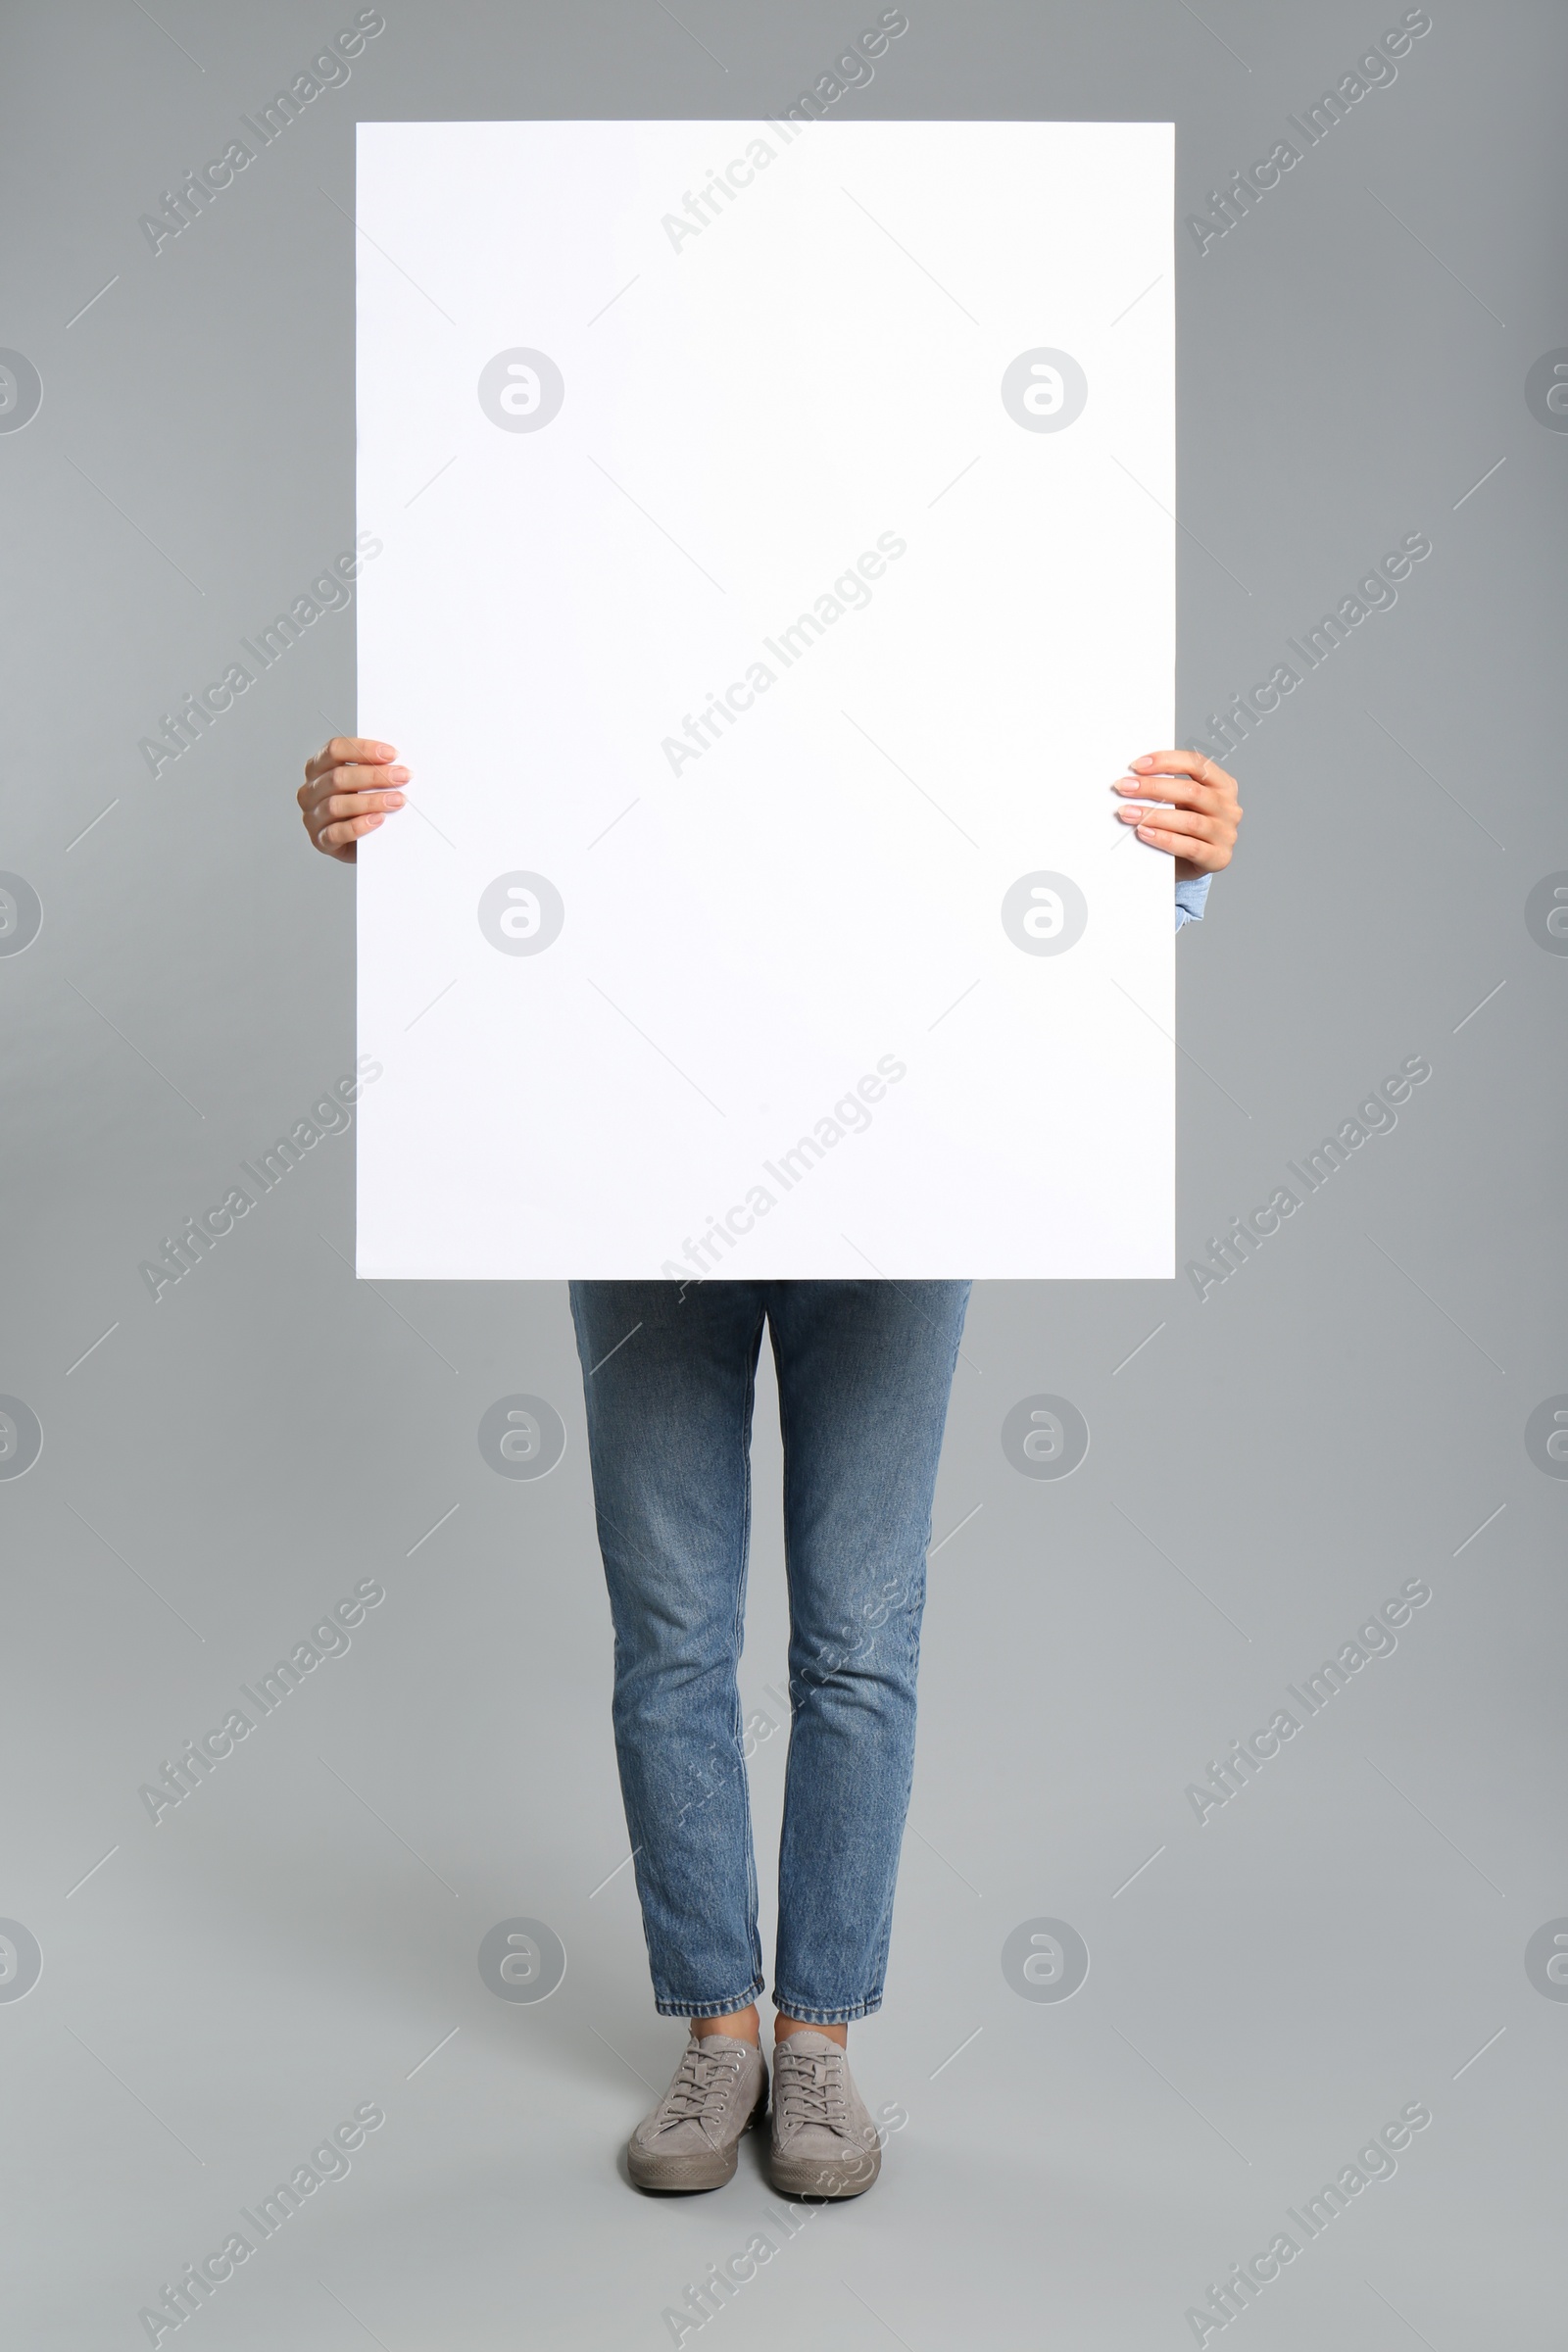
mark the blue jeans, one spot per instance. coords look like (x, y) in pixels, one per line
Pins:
(863, 1374)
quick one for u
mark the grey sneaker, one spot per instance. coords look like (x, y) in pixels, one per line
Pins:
(692, 2139)
(825, 2141)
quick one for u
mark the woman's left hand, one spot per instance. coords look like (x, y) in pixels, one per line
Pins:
(1197, 814)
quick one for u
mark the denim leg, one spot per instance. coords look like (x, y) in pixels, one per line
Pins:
(668, 1373)
(864, 1370)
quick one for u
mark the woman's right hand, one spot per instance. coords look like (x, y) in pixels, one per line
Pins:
(350, 788)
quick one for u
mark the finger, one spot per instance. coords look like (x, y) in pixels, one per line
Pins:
(354, 828)
(359, 803)
(344, 750)
(1191, 821)
(1196, 764)
(355, 779)
(1210, 854)
(364, 777)
(1180, 790)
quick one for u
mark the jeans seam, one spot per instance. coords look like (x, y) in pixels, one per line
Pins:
(786, 1449)
(748, 1409)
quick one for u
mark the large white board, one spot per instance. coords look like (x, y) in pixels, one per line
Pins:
(776, 570)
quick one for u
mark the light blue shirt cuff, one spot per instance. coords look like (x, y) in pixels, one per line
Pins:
(1189, 897)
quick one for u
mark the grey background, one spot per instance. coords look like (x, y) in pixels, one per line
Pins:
(1342, 1416)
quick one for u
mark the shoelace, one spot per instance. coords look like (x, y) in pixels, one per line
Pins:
(808, 2089)
(702, 2087)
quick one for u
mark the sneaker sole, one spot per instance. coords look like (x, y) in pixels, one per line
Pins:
(802, 2177)
(684, 2176)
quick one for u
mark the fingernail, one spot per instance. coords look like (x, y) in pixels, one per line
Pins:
(397, 776)
(386, 750)
(1146, 762)
(1124, 784)
(394, 800)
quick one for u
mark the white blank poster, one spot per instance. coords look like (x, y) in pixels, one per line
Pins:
(775, 571)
